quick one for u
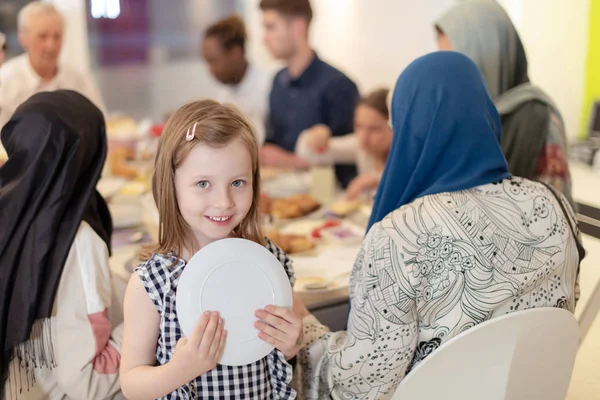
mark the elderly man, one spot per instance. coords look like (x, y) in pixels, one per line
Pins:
(40, 33)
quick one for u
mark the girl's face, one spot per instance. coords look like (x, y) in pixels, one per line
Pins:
(372, 131)
(214, 190)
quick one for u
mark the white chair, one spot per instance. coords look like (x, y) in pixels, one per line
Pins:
(589, 312)
(527, 355)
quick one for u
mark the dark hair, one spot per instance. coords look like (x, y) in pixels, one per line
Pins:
(289, 8)
(230, 32)
(377, 100)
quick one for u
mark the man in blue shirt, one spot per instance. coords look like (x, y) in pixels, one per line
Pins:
(307, 92)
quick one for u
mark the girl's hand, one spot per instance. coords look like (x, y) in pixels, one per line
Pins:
(361, 184)
(202, 351)
(282, 328)
(318, 138)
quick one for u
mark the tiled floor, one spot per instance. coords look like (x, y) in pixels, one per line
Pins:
(585, 383)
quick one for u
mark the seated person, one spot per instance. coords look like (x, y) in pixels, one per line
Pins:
(368, 147)
(307, 92)
(245, 85)
(55, 282)
(533, 132)
(439, 256)
(41, 29)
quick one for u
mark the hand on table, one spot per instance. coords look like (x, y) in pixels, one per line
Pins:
(361, 184)
(282, 328)
(274, 156)
(318, 138)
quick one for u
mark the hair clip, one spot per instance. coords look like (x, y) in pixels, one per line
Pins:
(191, 134)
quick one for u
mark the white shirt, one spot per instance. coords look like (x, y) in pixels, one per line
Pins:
(19, 81)
(251, 96)
(342, 150)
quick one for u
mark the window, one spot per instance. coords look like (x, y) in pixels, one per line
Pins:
(146, 53)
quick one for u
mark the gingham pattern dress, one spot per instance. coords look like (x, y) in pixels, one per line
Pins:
(268, 378)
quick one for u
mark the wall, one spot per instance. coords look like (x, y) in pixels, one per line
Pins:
(555, 35)
(592, 81)
(75, 45)
(371, 41)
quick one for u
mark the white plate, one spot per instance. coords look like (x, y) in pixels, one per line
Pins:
(110, 186)
(235, 277)
(337, 282)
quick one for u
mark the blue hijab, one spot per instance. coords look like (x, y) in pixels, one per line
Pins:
(446, 133)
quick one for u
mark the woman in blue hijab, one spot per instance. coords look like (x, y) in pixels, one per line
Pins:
(453, 240)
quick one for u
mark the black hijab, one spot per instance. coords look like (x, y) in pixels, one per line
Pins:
(56, 145)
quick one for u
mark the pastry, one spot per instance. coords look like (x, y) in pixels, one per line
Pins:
(291, 244)
(288, 208)
(345, 207)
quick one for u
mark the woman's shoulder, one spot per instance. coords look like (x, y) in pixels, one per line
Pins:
(158, 264)
(87, 236)
(516, 199)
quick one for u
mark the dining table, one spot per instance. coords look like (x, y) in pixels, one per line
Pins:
(330, 262)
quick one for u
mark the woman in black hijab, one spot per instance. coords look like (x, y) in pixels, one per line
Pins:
(55, 235)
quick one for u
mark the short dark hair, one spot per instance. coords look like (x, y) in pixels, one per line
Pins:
(289, 8)
(230, 32)
(377, 100)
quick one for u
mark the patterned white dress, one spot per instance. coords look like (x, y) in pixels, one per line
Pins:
(268, 378)
(435, 268)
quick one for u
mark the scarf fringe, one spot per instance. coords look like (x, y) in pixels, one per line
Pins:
(37, 352)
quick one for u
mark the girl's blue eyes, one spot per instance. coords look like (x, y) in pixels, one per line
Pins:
(236, 184)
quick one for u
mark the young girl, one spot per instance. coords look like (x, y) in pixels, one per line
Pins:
(206, 186)
(368, 147)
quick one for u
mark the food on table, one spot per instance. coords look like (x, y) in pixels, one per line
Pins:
(343, 234)
(121, 126)
(345, 207)
(117, 161)
(290, 243)
(285, 210)
(265, 204)
(291, 207)
(332, 223)
(304, 281)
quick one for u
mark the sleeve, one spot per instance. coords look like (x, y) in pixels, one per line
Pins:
(259, 123)
(153, 282)
(553, 167)
(283, 258)
(342, 150)
(86, 346)
(6, 110)
(369, 360)
(340, 100)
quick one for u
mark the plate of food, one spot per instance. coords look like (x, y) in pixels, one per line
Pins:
(289, 208)
(345, 235)
(322, 283)
(293, 244)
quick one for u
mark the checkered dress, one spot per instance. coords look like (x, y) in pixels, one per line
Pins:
(267, 378)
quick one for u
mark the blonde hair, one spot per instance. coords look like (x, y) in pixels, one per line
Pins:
(36, 8)
(216, 125)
